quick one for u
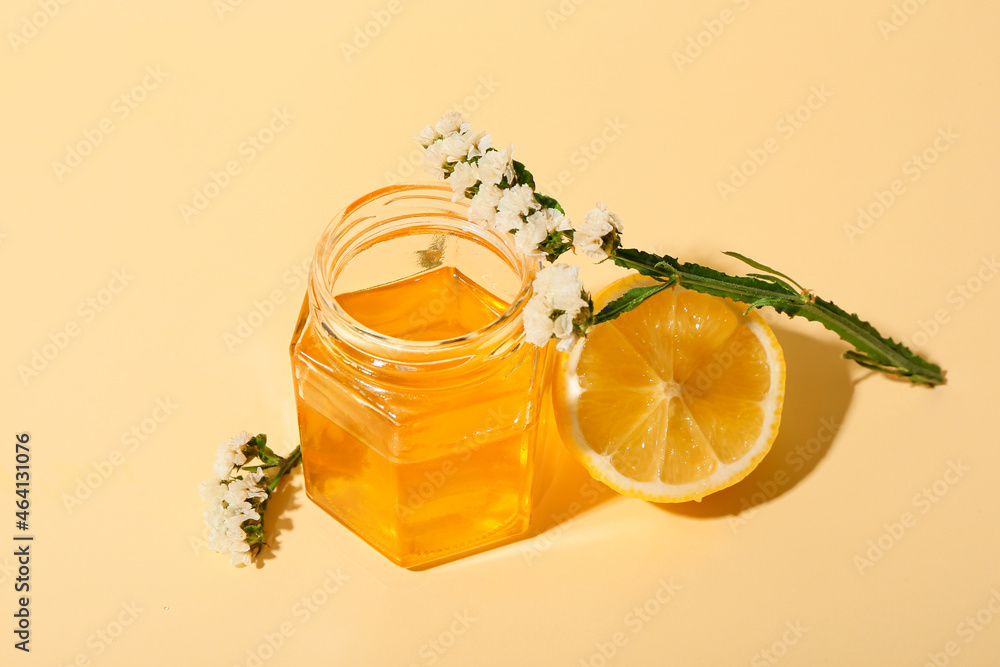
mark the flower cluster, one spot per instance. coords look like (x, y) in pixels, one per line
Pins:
(600, 233)
(503, 198)
(560, 308)
(238, 493)
(449, 142)
(501, 190)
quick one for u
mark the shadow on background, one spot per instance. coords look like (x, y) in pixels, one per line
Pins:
(567, 492)
(818, 391)
(286, 497)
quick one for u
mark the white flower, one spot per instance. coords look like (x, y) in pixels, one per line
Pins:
(463, 145)
(234, 512)
(237, 541)
(518, 200)
(530, 236)
(566, 344)
(240, 559)
(225, 534)
(508, 221)
(230, 454)
(466, 159)
(599, 226)
(254, 487)
(463, 177)
(451, 140)
(235, 493)
(553, 219)
(589, 246)
(240, 512)
(215, 519)
(537, 228)
(562, 326)
(211, 490)
(563, 331)
(232, 501)
(426, 136)
(561, 288)
(600, 215)
(555, 307)
(514, 204)
(480, 145)
(434, 160)
(450, 123)
(224, 521)
(483, 208)
(495, 165)
(537, 322)
(248, 488)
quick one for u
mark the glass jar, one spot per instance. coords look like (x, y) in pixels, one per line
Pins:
(418, 398)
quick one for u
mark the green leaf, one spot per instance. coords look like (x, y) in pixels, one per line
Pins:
(628, 301)
(264, 452)
(872, 350)
(710, 281)
(760, 303)
(778, 281)
(549, 202)
(522, 175)
(556, 243)
(762, 267)
(893, 357)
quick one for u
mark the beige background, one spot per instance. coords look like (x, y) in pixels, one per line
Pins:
(599, 95)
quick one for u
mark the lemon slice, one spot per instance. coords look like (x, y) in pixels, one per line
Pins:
(674, 400)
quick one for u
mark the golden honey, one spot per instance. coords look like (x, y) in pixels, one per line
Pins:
(418, 400)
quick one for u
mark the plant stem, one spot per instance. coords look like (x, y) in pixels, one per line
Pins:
(287, 466)
(872, 350)
(255, 529)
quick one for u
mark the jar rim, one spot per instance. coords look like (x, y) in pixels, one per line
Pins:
(340, 324)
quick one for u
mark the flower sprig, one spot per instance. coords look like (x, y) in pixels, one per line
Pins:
(560, 308)
(502, 192)
(238, 493)
(503, 197)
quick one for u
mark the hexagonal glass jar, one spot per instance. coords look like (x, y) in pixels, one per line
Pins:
(424, 447)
